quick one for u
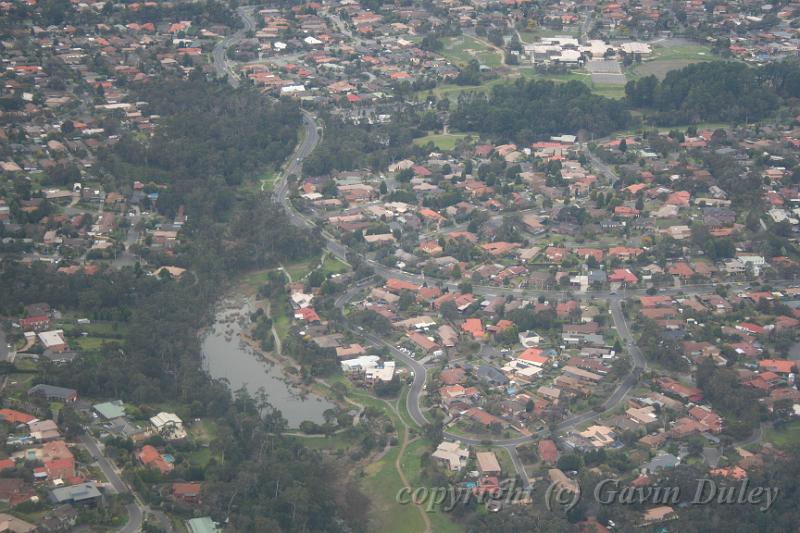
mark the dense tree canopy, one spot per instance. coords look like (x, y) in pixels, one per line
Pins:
(715, 91)
(524, 111)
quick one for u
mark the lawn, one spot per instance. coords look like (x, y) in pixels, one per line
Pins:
(411, 465)
(300, 269)
(264, 182)
(666, 58)
(443, 141)
(18, 384)
(332, 265)
(686, 51)
(256, 279)
(267, 181)
(204, 431)
(461, 50)
(97, 334)
(282, 325)
(382, 484)
(200, 457)
(366, 399)
(534, 34)
(615, 92)
(90, 344)
(452, 91)
(787, 436)
(105, 329)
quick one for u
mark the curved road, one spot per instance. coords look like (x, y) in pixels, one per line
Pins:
(310, 140)
(638, 362)
(218, 55)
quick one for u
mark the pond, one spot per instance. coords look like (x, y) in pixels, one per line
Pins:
(227, 356)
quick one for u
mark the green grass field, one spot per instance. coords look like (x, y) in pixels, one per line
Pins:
(788, 435)
(443, 141)
(615, 92)
(200, 457)
(687, 51)
(666, 58)
(452, 91)
(267, 181)
(411, 465)
(534, 34)
(332, 265)
(204, 431)
(90, 344)
(461, 50)
(382, 484)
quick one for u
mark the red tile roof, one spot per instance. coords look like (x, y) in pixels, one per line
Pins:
(15, 417)
(474, 327)
(779, 366)
(548, 451)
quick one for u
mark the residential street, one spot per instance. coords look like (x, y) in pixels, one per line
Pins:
(135, 511)
(638, 363)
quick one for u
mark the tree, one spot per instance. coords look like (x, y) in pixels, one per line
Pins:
(495, 37)
(405, 175)
(449, 311)
(569, 461)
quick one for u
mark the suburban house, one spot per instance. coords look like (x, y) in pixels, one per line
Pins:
(203, 524)
(487, 464)
(51, 392)
(169, 426)
(451, 454)
(188, 493)
(149, 456)
(81, 494)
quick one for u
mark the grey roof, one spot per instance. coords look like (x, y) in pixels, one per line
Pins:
(76, 493)
(489, 373)
(109, 410)
(598, 276)
(202, 525)
(123, 427)
(711, 456)
(666, 460)
(51, 391)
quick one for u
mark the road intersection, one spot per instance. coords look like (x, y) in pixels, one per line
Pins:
(312, 134)
(638, 362)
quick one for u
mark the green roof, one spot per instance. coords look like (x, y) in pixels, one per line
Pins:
(202, 525)
(110, 410)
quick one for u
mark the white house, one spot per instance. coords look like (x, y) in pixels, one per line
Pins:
(452, 454)
(169, 426)
(529, 339)
(360, 364)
